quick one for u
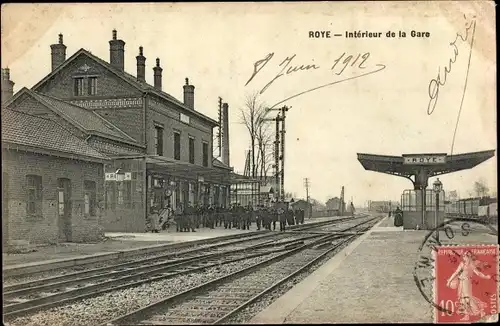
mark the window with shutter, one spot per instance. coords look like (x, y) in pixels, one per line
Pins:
(191, 150)
(92, 86)
(90, 198)
(177, 145)
(205, 154)
(34, 195)
(159, 140)
(79, 86)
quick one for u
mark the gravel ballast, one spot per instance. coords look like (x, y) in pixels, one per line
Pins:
(97, 310)
(9, 281)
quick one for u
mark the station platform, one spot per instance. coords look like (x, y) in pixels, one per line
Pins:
(115, 245)
(370, 281)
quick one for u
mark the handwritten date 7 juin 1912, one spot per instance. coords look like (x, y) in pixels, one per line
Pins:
(344, 62)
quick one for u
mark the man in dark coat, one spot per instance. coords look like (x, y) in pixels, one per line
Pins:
(289, 216)
(274, 217)
(258, 217)
(249, 216)
(241, 217)
(266, 222)
(228, 217)
(190, 214)
(218, 216)
(178, 218)
(282, 215)
(234, 216)
(211, 216)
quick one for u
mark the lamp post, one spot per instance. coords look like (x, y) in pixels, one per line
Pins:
(120, 175)
(438, 186)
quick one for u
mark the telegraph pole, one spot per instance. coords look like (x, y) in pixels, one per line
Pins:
(277, 142)
(307, 184)
(284, 109)
(277, 157)
(279, 151)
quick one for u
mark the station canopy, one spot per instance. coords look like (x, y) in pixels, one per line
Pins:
(434, 164)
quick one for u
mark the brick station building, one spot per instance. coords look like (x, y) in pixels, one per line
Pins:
(51, 181)
(160, 148)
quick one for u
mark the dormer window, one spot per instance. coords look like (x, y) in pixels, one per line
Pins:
(92, 85)
(85, 85)
(79, 86)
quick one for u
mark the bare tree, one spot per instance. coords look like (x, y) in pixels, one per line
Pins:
(290, 195)
(480, 188)
(252, 116)
(317, 205)
(265, 149)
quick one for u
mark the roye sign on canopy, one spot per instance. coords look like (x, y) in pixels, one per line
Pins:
(424, 159)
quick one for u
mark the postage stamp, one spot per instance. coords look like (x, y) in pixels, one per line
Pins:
(466, 283)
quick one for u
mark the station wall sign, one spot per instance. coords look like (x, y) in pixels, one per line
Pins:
(113, 176)
(424, 159)
(110, 177)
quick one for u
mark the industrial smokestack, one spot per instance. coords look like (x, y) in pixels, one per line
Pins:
(225, 134)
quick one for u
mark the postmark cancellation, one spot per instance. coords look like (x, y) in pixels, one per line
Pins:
(466, 284)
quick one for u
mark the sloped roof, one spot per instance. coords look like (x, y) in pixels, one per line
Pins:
(266, 189)
(132, 80)
(301, 201)
(29, 130)
(87, 119)
(219, 164)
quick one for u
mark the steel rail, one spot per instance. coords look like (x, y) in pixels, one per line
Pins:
(238, 239)
(115, 271)
(112, 268)
(113, 283)
(286, 278)
(138, 314)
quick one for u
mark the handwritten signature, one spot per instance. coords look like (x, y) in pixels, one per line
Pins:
(436, 83)
(439, 81)
(339, 66)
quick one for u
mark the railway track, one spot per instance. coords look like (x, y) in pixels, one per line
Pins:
(217, 300)
(24, 298)
(13, 280)
(65, 289)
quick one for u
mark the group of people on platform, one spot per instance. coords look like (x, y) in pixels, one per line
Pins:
(190, 218)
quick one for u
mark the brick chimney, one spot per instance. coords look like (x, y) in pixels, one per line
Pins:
(189, 95)
(225, 134)
(7, 85)
(58, 53)
(141, 66)
(117, 52)
(157, 75)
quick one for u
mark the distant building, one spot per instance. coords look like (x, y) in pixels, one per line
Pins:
(335, 206)
(302, 204)
(382, 206)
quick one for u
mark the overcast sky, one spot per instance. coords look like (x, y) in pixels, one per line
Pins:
(216, 46)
